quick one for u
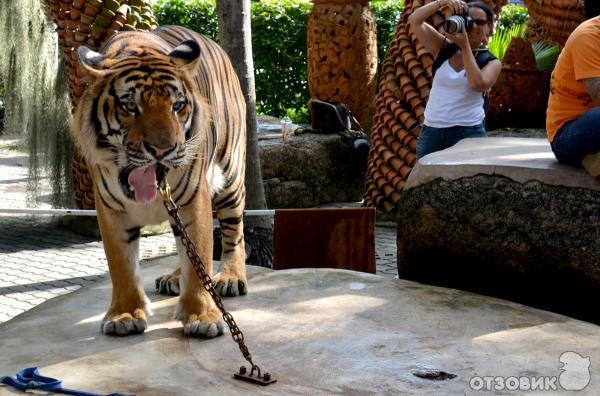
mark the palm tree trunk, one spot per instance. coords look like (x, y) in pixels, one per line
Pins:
(236, 40)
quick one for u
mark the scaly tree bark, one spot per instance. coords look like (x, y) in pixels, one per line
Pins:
(556, 19)
(235, 37)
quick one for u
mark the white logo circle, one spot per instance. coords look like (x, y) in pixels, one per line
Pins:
(575, 371)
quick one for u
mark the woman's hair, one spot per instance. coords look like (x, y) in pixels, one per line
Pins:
(489, 14)
(591, 8)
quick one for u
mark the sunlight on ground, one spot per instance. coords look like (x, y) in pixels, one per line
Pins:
(539, 333)
(527, 156)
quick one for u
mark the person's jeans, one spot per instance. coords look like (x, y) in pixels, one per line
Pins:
(578, 138)
(435, 139)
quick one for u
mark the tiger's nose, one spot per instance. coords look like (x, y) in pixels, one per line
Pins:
(158, 152)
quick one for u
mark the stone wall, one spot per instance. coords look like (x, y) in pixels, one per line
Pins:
(309, 170)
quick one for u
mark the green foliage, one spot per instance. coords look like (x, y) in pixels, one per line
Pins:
(198, 15)
(279, 45)
(387, 13)
(37, 104)
(500, 40)
(512, 15)
(298, 116)
(279, 48)
(545, 55)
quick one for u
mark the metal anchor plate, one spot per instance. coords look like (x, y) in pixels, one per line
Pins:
(255, 379)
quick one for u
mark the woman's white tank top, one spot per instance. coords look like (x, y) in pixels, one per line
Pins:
(451, 101)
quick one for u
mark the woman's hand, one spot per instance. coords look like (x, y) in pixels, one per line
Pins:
(461, 39)
(424, 32)
(452, 7)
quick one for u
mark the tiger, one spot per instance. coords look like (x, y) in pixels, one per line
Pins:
(165, 104)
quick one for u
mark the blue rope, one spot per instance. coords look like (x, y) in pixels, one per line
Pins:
(30, 378)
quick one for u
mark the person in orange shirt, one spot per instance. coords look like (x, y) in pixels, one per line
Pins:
(573, 116)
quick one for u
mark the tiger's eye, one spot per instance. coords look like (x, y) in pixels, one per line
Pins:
(178, 106)
(130, 107)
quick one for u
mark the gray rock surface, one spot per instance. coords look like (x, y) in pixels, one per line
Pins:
(318, 332)
(309, 169)
(475, 227)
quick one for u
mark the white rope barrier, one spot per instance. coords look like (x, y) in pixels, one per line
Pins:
(82, 212)
(39, 212)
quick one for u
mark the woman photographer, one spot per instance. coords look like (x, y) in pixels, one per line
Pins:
(455, 109)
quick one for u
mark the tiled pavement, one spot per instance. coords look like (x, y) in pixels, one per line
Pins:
(39, 260)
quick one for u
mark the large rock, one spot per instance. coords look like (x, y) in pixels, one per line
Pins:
(501, 216)
(309, 170)
(318, 332)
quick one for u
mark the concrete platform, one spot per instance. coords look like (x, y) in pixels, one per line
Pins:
(317, 332)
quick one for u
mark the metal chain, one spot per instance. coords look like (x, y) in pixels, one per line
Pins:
(207, 282)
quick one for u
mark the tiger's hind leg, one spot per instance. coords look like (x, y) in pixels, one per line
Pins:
(168, 284)
(231, 280)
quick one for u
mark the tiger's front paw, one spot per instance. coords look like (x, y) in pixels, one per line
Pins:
(230, 285)
(207, 325)
(125, 323)
(168, 284)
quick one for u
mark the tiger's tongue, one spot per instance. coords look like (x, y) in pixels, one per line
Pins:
(143, 184)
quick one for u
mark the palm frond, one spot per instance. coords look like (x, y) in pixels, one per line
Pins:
(499, 43)
(545, 55)
(500, 40)
(519, 30)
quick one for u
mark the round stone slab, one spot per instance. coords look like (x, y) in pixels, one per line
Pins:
(316, 331)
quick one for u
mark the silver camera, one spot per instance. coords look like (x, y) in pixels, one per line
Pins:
(454, 23)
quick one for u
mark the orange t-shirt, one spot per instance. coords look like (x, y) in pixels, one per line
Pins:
(579, 59)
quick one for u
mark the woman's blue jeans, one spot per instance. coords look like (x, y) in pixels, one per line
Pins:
(435, 139)
(578, 138)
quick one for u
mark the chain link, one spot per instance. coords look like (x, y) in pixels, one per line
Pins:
(192, 253)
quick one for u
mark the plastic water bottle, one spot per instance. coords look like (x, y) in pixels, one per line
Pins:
(286, 127)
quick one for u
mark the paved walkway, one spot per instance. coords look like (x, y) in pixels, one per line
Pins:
(40, 260)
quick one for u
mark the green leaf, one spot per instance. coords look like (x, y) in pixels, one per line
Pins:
(545, 55)
(500, 40)
(512, 15)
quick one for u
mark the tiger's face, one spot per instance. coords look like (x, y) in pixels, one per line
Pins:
(140, 114)
(153, 115)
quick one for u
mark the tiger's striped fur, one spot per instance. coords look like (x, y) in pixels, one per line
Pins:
(165, 103)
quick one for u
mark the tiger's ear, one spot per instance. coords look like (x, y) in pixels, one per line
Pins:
(92, 62)
(186, 54)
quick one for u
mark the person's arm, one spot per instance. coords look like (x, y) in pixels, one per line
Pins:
(583, 47)
(592, 87)
(480, 80)
(431, 39)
